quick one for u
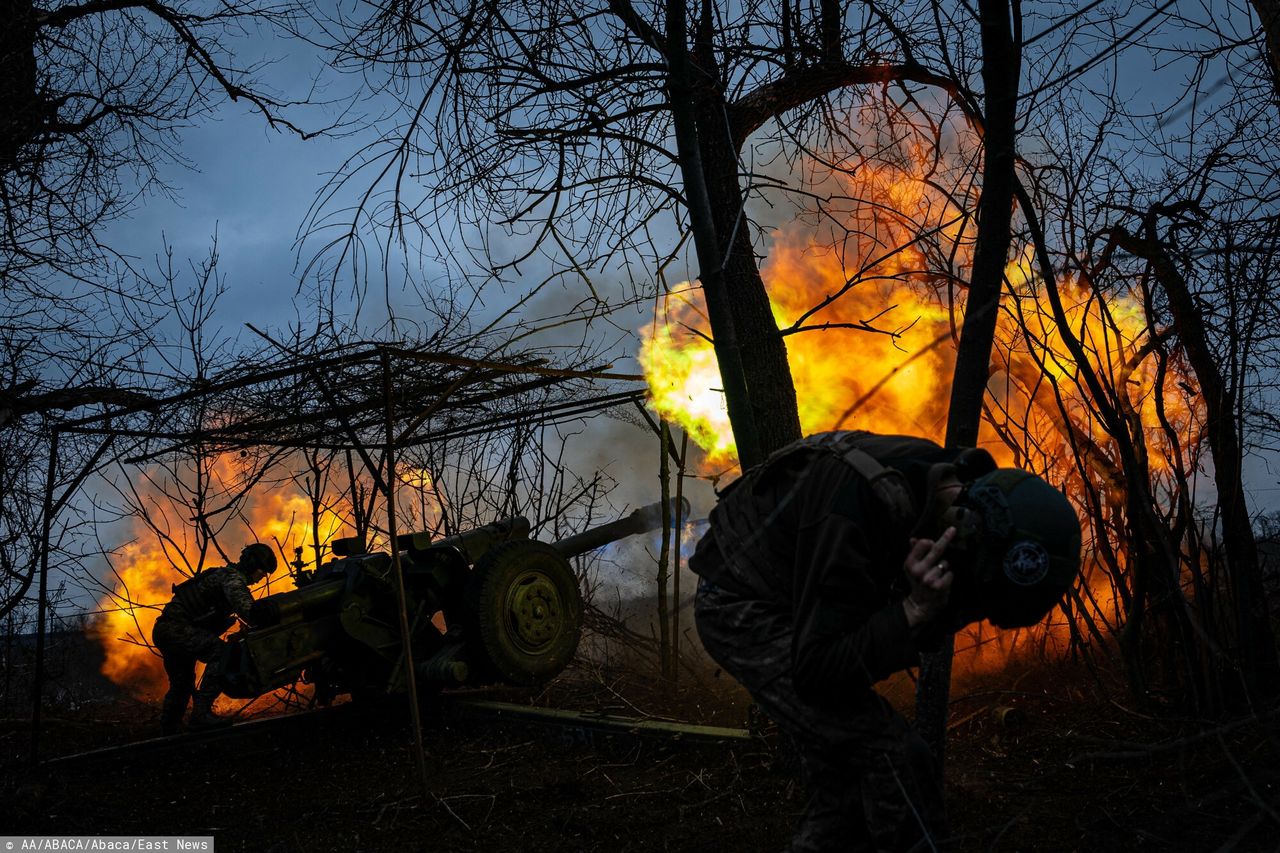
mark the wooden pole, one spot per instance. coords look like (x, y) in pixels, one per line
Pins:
(42, 600)
(406, 641)
(664, 553)
(675, 550)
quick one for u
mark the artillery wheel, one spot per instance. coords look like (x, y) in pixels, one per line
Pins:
(524, 611)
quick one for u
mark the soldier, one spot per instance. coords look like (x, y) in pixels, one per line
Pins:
(190, 629)
(830, 567)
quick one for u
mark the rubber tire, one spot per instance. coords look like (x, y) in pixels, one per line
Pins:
(499, 576)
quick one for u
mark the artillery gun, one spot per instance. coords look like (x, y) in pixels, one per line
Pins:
(486, 605)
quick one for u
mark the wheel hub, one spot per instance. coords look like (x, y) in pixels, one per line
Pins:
(535, 612)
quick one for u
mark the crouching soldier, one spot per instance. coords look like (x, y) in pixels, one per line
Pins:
(833, 565)
(190, 629)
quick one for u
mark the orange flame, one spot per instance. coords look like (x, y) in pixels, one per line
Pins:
(143, 570)
(898, 379)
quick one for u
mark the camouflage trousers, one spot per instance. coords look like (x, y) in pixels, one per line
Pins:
(871, 779)
(181, 644)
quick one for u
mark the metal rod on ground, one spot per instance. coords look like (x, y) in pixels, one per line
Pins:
(42, 600)
(406, 640)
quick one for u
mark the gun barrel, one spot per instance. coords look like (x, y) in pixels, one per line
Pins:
(306, 602)
(644, 519)
(474, 543)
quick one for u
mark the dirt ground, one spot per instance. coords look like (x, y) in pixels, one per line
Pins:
(1047, 767)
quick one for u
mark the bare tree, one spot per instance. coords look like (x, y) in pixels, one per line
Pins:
(1001, 67)
(1151, 206)
(573, 128)
(93, 96)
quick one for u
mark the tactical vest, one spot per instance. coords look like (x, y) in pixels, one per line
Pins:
(740, 524)
(201, 601)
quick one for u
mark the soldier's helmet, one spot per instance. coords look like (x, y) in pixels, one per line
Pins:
(258, 557)
(1017, 548)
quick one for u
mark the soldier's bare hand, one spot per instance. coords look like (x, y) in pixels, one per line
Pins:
(930, 578)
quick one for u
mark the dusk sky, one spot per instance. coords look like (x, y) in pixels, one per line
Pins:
(254, 187)
(250, 183)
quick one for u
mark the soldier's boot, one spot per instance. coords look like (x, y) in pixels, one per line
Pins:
(171, 711)
(202, 716)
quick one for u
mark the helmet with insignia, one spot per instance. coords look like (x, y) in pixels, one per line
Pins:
(1017, 548)
(257, 557)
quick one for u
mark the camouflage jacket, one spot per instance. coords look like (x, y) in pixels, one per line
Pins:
(805, 533)
(209, 599)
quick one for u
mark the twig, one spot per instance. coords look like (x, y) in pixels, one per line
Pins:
(1253, 792)
(452, 813)
(1131, 749)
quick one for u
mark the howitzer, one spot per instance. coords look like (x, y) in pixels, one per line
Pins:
(484, 605)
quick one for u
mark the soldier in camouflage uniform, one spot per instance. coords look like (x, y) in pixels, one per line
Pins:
(830, 567)
(190, 629)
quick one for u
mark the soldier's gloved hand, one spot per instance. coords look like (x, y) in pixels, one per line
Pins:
(930, 578)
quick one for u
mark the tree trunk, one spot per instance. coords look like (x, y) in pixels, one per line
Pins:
(1256, 644)
(1000, 72)
(21, 107)
(759, 391)
(1158, 557)
(764, 352)
(1269, 16)
(702, 221)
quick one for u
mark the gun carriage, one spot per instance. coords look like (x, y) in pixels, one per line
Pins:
(486, 605)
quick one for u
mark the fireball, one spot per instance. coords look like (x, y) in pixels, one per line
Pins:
(872, 323)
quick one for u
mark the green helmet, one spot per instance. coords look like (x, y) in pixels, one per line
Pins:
(258, 557)
(1017, 548)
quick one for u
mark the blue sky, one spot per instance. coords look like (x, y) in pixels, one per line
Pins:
(252, 186)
